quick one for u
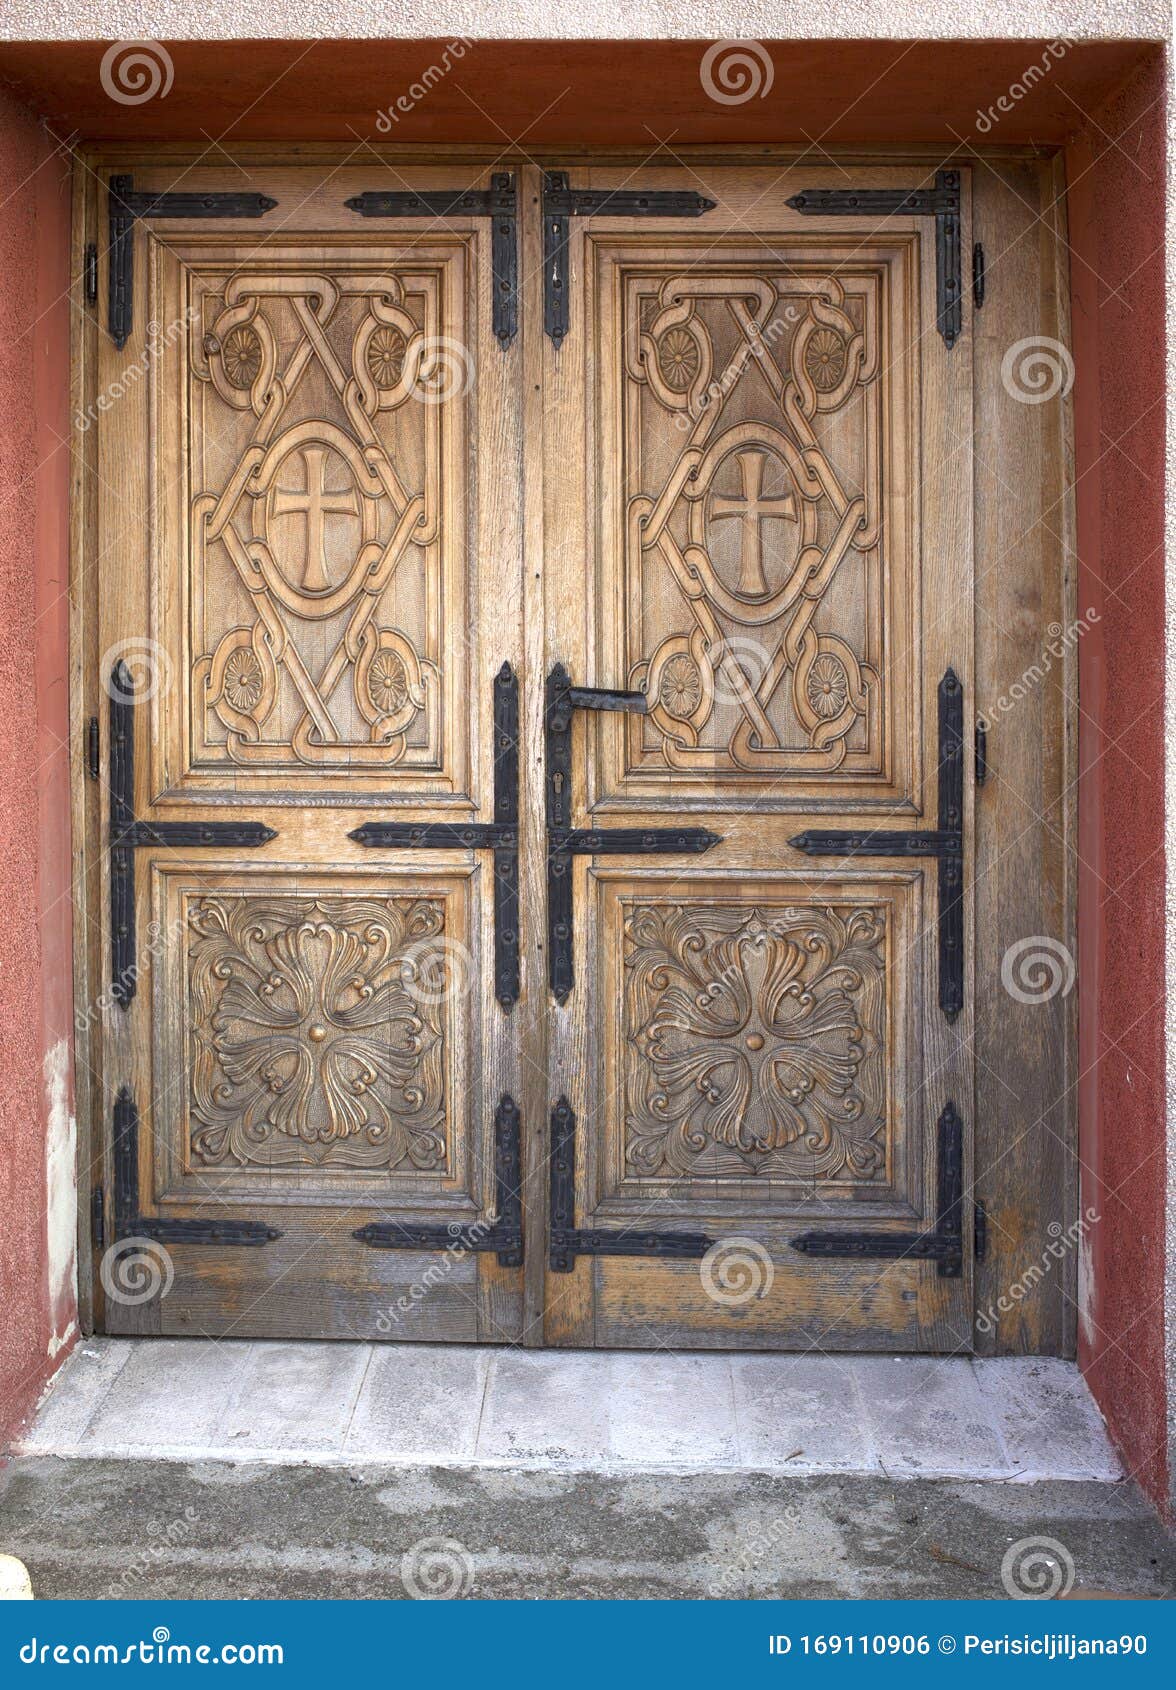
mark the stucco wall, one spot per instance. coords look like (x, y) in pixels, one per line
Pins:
(689, 20)
(1116, 209)
(37, 1296)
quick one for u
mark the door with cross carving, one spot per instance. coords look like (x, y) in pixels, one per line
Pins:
(757, 526)
(306, 477)
(533, 625)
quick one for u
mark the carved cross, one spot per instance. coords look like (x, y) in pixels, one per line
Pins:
(753, 507)
(315, 501)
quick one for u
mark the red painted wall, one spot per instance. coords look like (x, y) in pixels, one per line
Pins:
(35, 943)
(1116, 205)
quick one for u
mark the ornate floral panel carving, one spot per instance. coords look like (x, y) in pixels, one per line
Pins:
(760, 559)
(316, 1032)
(321, 507)
(754, 1041)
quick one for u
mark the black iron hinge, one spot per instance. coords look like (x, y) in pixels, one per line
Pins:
(943, 1243)
(127, 835)
(98, 1218)
(498, 202)
(130, 1222)
(979, 1230)
(946, 843)
(500, 836)
(124, 205)
(503, 1236)
(562, 202)
(93, 749)
(565, 843)
(90, 273)
(567, 1241)
(942, 201)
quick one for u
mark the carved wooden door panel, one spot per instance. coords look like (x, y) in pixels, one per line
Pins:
(307, 489)
(758, 516)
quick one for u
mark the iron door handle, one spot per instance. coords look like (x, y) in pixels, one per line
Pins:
(565, 842)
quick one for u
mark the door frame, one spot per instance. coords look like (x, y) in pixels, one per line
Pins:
(1032, 1138)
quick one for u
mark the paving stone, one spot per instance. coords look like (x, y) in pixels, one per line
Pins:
(419, 1402)
(930, 1419)
(169, 1396)
(78, 1388)
(1049, 1421)
(669, 1410)
(546, 1408)
(801, 1414)
(293, 1399)
(405, 1404)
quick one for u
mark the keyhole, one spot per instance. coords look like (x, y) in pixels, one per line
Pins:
(557, 782)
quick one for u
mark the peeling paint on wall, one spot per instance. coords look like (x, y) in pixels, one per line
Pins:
(62, 1194)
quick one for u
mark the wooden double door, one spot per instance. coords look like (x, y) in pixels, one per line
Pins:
(534, 629)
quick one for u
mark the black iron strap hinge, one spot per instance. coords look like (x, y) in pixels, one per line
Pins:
(130, 1222)
(561, 203)
(565, 843)
(98, 1218)
(501, 836)
(942, 201)
(943, 1243)
(498, 202)
(946, 843)
(567, 1241)
(502, 1237)
(127, 835)
(979, 1231)
(90, 273)
(124, 205)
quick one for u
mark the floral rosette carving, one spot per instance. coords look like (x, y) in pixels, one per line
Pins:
(307, 1046)
(754, 1042)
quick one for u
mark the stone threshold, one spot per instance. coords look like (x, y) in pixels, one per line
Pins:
(1020, 1420)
